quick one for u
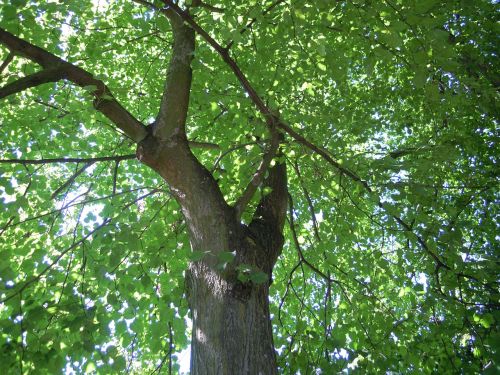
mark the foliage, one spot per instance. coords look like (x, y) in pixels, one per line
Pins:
(395, 272)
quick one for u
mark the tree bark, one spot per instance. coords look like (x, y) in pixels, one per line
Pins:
(232, 331)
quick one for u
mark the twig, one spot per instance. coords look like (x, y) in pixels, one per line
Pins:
(258, 177)
(55, 261)
(115, 175)
(68, 160)
(309, 200)
(228, 151)
(7, 61)
(299, 249)
(64, 112)
(289, 282)
(205, 145)
(168, 354)
(170, 347)
(70, 180)
(73, 203)
(211, 7)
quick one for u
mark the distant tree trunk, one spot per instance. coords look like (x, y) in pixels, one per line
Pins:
(232, 331)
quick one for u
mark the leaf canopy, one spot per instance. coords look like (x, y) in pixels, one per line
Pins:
(397, 271)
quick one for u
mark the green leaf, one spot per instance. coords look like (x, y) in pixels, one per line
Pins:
(9, 12)
(226, 256)
(377, 101)
(90, 367)
(259, 277)
(119, 363)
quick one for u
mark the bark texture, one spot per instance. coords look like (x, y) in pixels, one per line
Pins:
(232, 331)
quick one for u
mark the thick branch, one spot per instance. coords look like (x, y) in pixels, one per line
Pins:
(272, 119)
(223, 52)
(271, 209)
(103, 99)
(33, 80)
(174, 105)
(258, 177)
(268, 114)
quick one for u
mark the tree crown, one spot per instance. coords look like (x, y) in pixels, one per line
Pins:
(389, 123)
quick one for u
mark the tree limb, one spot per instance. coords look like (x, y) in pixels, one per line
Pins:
(171, 118)
(118, 158)
(271, 209)
(33, 80)
(258, 177)
(67, 160)
(7, 61)
(104, 101)
(273, 120)
(224, 53)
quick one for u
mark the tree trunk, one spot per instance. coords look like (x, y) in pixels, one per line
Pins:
(232, 331)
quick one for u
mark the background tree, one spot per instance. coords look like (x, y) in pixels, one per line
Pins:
(329, 167)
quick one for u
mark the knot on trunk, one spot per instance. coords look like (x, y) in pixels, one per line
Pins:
(148, 150)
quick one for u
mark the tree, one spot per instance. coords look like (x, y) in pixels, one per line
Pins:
(313, 184)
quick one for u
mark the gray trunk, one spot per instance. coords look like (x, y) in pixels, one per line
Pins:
(232, 331)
